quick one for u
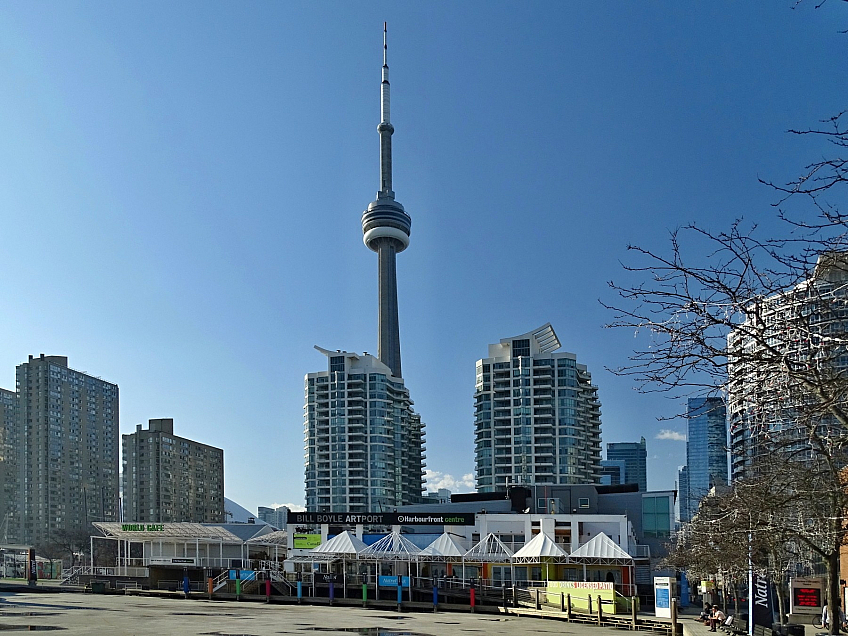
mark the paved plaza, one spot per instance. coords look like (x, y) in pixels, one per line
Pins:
(142, 616)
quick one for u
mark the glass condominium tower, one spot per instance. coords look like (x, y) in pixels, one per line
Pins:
(363, 442)
(537, 415)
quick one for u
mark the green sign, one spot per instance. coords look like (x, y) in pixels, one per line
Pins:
(307, 541)
(143, 527)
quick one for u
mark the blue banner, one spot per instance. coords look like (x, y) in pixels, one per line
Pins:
(244, 575)
(391, 581)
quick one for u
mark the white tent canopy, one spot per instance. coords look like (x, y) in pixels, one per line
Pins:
(444, 547)
(344, 543)
(393, 546)
(540, 547)
(489, 549)
(601, 550)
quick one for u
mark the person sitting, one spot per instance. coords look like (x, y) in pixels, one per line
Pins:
(704, 616)
(717, 617)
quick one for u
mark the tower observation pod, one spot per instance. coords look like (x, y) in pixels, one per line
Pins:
(385, 229)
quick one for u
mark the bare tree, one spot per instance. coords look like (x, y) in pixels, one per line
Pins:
(763, 321)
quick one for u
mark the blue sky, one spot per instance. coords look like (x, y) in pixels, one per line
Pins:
(181, 187)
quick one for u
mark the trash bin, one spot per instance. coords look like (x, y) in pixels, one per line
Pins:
(98, 587)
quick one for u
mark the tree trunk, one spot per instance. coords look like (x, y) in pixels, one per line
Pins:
(833, 609)
(780, 588)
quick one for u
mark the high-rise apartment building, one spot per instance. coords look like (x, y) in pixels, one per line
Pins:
(363, 441)
(67, 438)
(167, 478)
(635, 458)
(787, 367)
(706, 453)
(277, 517)
(537, 415)
(9, 481)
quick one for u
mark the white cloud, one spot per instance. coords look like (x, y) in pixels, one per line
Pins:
(435, 480)
(292, 507)
(672, 435)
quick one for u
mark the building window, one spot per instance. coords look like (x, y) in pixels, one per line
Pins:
(337, 364)
(583, 502)
(520, 348)
(656, 517)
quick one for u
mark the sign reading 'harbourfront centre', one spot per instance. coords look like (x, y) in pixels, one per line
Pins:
(385, 518)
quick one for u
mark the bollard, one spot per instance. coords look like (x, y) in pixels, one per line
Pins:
(538, 602)
(300, 592)
(514, 597)
(186, 586)
(674, 626)
(505, 606)
(364, 594)
(332, 592)
(399, 591)
(268, 590)
(590, 605)
(472, 599)
(562, 602)
(600, 612)
(435, 598)
(238, 588)
(209, 586)
(568, 606)
(633, 613)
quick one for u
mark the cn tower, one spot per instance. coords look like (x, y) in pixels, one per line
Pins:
(385, 228)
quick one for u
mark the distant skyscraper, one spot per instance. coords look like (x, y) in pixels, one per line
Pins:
(683, 498)
(9, 478)
(635, 458)
(613, 472)
(68, 448)
(167, 478)
(364, 442)
(706, 452)
(538, 419)
(277, 517)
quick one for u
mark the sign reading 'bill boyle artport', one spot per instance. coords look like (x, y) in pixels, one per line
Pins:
(385, 518)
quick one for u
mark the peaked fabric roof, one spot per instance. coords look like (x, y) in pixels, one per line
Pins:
(393, 545)
(344, 543)
(540, 546)
(444, 546)
(490, 548)
(601, 547)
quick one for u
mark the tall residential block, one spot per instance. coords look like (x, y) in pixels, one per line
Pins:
(9, 481)
(706, 453)
(67, 436)
(277, 517)
(635, 458)
(167, 478)
(787, 367)
(537, 415)
(363, 441)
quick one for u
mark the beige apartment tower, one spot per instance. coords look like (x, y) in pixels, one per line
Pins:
(64, 449)
(171, 479)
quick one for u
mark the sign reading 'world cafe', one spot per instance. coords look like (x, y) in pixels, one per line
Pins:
(384, 518)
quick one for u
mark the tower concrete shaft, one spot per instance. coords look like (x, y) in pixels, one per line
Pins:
(385, 228)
